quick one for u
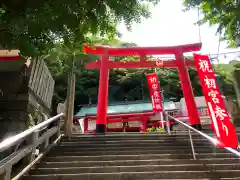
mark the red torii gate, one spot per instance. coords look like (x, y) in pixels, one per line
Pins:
(179, 62)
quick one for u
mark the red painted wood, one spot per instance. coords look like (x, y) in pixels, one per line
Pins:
(85, 124)
(126, 115)
(116, 129)
(105, 65)
(103, 92)
(187, 90)
(130, 51)
(135, 65)
(9, 58)
(124, 120)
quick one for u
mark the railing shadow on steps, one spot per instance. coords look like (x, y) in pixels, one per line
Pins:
(190, 129)
(32, 144)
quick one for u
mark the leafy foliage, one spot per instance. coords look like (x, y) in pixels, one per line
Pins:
(225, 79)
(224, 13)
(35, 26)
(124, 84)
(154, 129)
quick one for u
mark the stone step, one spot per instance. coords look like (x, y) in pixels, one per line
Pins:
(139, 156)
(139, 175)
(160, 139)
(135, 156)
(199, 179)
(183, 179)
(123, 140)
(122, 137)
(178, 128)
(127, 162)
(175, 145)
(71, 152)
(136, 148)
(181, 130)
(134, 139)
(145, 133)
(83, 141)
(137, 134)
(136, 168)
(115, 134)
(134, 143)
(173, 133)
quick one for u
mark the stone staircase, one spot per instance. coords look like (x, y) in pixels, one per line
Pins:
(134, 156)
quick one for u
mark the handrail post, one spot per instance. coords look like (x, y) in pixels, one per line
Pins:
(192, 146)
(167, 122)
(15, 139)
(59, 128)
(209, 138)
(33, 141)
(27, 143)
(7, 174)
(45, 145)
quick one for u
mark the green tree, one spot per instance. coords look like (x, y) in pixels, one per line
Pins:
(223, 13)
(124, 84)
(59, 63)
(35, 26)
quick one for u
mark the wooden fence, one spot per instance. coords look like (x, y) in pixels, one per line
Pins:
(41, 82)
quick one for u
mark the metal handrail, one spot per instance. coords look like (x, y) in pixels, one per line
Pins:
(9, 142)
(209, 138)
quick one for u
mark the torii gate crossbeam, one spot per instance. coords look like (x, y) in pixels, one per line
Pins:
(135, 65)
(180, 63)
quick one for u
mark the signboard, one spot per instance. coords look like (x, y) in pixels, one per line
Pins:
(223, 127)
(154, 89)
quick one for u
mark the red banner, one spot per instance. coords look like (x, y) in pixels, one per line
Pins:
(154, 89)
(223, 127)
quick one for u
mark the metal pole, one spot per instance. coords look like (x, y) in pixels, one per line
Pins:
(209, 138)
(167, 122)
(161, 114)
(199, 26)
(191, 141)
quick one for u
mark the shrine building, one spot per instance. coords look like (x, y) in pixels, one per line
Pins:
(136, 116)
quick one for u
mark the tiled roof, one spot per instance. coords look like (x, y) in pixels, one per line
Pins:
(125, 108)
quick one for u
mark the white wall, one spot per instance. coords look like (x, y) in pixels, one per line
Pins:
(177, 104)
(200, 102)
(92, 125)
(157, 116)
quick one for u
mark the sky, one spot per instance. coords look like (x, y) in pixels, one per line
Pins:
(169, 26)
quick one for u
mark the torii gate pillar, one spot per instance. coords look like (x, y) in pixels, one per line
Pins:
(104, 65)
(188, 92)
(102, 107)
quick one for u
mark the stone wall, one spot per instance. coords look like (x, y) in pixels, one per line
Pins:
(13, 103)
(20, 105)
